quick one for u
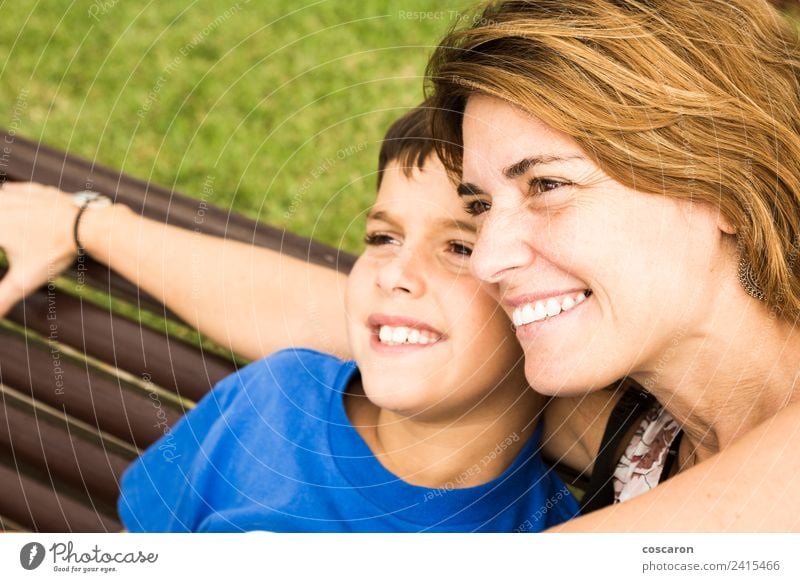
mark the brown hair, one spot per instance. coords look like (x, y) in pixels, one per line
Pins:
(408, 142)
(695, 100)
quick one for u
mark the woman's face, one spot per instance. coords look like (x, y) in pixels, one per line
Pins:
(602, 281)
(428, 339)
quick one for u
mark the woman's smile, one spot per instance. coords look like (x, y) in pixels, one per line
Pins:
(528, 310)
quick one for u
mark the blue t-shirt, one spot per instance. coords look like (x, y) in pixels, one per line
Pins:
(271, 448)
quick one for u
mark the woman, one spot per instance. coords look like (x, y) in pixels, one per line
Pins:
(646, 154)
(752, 465)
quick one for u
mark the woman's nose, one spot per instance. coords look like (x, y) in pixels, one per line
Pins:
(502, 247)
(403, 273)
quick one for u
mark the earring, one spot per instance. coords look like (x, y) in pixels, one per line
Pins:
(748, 280)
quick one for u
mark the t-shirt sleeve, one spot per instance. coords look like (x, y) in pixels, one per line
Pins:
(159, 490)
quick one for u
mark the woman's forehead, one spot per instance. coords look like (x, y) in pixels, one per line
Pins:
(502, 136)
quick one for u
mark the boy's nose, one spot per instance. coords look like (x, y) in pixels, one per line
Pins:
(403, 273)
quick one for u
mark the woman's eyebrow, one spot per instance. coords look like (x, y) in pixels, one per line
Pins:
(516, 170)
(521, 167)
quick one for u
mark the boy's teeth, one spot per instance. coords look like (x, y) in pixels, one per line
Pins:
(405, 335)
(531, 312)
(399, 335)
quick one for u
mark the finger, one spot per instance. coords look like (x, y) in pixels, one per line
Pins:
(26, 186)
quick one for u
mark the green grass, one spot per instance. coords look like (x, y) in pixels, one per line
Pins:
(278, 105)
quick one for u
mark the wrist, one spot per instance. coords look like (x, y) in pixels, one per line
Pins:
(95, 226)
(85, 200)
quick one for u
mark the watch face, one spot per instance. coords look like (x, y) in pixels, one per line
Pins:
(91, 199)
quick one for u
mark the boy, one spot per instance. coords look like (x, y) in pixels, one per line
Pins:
(432, 428)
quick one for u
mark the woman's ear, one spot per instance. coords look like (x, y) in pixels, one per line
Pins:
(725, 225)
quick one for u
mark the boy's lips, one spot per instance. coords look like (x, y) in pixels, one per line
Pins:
(402, 331)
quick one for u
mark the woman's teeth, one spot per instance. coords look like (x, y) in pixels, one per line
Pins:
(531, 312)
(394, 336)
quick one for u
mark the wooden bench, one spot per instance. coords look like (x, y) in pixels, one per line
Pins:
(85, 388)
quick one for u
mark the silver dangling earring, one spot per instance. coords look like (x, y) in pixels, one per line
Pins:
(748, 280)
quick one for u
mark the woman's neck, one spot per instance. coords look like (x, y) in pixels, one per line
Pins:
(458, 451)
(728, 377)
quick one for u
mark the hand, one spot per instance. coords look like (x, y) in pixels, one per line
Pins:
(36, 223)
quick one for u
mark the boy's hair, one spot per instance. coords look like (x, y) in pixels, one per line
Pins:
(408, 142)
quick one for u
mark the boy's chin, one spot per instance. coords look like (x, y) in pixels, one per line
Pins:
(409, 400)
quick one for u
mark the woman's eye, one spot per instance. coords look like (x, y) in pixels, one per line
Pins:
(379, 238)
(541, 185)
(476, 206)
(461, 249)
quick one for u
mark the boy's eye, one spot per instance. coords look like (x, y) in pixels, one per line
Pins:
(476, 206)
(542, 185)
(460, 249)
(379, 238)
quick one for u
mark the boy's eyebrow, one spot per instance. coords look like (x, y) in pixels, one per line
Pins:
(459, 224)
(468, 189)
(442, 223)
(380, 215)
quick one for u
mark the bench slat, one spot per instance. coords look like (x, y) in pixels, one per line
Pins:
(90, 395)
(169, 362)
(60, 447)
(39, 503)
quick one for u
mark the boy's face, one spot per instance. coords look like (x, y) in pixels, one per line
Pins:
(428, 339)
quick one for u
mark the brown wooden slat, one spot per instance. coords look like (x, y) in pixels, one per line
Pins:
(60, 447)
(89, 395)
(169, 362)
(7, 525)
(40, 504)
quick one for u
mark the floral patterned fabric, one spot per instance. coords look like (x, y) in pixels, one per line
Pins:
(641, 466)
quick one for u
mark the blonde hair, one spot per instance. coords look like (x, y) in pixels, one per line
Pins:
(690, 99)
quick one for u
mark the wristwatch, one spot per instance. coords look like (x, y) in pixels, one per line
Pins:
(86, 199)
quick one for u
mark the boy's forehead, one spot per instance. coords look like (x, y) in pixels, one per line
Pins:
(427, 190)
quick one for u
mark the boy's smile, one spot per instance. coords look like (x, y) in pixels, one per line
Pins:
(392, 330)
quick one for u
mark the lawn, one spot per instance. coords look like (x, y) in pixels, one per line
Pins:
(272, 108)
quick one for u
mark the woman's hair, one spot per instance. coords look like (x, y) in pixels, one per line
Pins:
(408, 142)
(695, 99)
